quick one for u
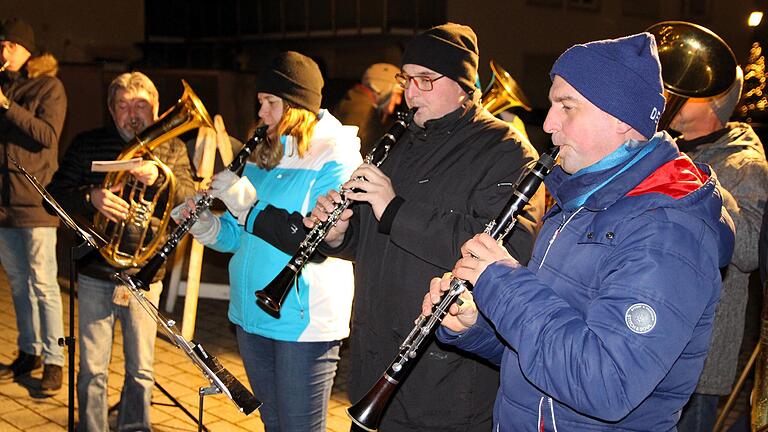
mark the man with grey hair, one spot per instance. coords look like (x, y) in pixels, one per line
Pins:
(133, 105)
(736, 154)
(32, 110)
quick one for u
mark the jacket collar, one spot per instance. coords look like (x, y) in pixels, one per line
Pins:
(616, 180)
(14, 76)
(735, 137)
(447, 123)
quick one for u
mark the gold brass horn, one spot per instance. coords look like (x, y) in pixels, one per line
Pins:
(695, 63)
(131, 241)
(503, 92)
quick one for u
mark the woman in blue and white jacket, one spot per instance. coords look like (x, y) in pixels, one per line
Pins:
(290, 361)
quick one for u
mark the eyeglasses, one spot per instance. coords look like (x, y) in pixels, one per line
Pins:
(424, 83)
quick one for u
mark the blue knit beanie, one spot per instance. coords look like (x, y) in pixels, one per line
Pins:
(620, 76)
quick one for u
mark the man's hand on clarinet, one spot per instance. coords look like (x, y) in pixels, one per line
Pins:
(461, 315)
(325, 206)
(374, 188)
(476, 255)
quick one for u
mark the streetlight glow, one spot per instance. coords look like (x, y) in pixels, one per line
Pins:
(755, 18)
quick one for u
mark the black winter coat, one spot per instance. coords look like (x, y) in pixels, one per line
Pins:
(451, 178)
(29, 133)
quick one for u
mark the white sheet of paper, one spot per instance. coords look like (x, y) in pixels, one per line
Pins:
(122, 165)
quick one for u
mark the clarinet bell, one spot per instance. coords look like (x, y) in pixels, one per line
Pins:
(367, 412)
(271, 298)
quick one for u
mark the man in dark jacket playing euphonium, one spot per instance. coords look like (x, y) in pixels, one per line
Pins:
(32, 109)
(133, 103)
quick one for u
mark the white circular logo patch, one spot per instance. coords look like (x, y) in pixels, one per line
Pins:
(640, 318)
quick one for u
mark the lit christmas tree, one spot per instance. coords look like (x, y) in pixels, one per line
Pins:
(753, 97)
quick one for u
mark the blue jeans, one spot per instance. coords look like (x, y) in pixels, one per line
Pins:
(699, 414)
(97, 315)
(28, 256)
(292, 379)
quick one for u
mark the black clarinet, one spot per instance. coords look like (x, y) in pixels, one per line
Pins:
(271, 297)
(367, 412)
(144, 277)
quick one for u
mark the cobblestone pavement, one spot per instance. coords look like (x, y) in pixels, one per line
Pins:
(23, 408)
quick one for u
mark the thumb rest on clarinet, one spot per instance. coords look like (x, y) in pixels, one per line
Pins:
(367, 412)
(271, 297)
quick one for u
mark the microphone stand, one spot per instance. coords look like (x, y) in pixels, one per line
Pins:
(89, 241)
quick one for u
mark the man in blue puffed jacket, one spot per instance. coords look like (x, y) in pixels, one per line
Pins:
(608, 325)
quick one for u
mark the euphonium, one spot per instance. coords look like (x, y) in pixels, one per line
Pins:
(144, 277)
(271, 298)
(367, 412)
(188, 113)
(503, 92)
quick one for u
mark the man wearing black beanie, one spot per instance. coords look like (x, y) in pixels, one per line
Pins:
(33, 105)
(446, 178)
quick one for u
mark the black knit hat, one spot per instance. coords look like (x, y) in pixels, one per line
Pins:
(295, 78)
(449, 49)
(18, 31)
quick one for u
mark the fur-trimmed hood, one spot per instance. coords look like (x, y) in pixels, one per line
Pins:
(44, 64)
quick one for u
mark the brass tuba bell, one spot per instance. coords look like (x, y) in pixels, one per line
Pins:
(131, 241)
(503, 92)
(695, 63)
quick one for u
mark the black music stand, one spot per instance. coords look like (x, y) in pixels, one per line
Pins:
(89, 241)
(220, 379)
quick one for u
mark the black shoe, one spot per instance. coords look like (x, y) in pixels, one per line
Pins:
(23, 365)
(51, 382)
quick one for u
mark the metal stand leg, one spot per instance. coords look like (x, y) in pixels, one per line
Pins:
(69, 341)
(204, 391)
(75, 253)
(181, 407)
